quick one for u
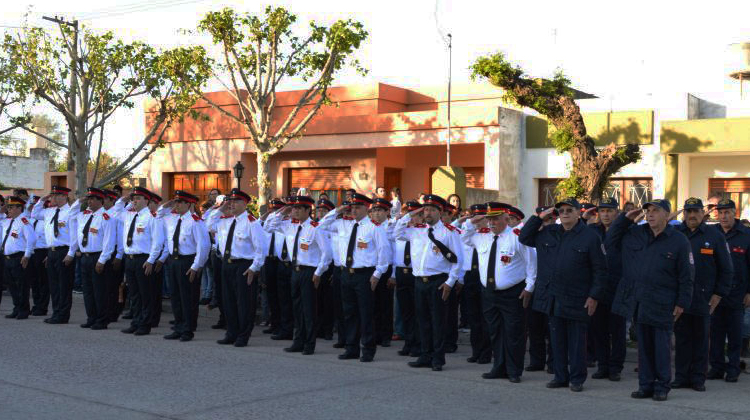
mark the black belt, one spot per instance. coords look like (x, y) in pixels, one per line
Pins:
(59, 248)
(272, 258)
(134, 256)
(304, 267)
(427, 279)
(18, 254)
(182, 257)
(237, 260)
(287, 263)
(405, 270)
(358, 270)
(91, 254)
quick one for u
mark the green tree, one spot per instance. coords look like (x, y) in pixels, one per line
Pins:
(257, 53)
(42, 123)
(86, 81)
(10, 96)
(554, 99)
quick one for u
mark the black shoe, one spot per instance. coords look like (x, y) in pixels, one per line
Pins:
(403, 352)
(293, 349)
(414, 354)
(348, 356)
(452, 348)
(98, 327)
(555, 384)
(659, 396)
(732, 378)
(38, 313)
(337, 345)
(385, 343)
(514, 379)
(493, 374)
(640, 395)
(484, 361)
(127, 316)
(698, 387)
(472, 359)
(366, 358)
(308, 352)
(614, 377)
(11, 316)
(678, 385)
(204, 301)
(240, 343)
(186, 337)
(550, 370)
(714, 374)
(129, 330)
(226, 341)
(219, 326)
(437, 368)
(142, 331)
(419, 364)
(599, 375)
(576, 387)
(533, 368)
(281, 337)
(47, 320)
(57, 321)
(23, 316)
(173, 336)
(328, 337)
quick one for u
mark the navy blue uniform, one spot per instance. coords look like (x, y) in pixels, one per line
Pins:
(713, 276)
(657, 276)
(726, 321)
(571, 268)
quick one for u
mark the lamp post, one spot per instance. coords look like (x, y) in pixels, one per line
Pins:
(238, 169)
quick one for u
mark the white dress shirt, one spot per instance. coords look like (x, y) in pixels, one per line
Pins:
(468, 249)
(102, 232)
(41, 240)
(426, 258)
(278, 243)
(64, 238)
(193, 235)
(520, 259)
(371, 249)
(249, 242)
(313, 246)
(21, 236)
(148, 233)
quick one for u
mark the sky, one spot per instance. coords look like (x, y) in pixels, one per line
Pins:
(610, 49)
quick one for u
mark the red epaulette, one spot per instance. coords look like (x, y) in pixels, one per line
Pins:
(484, 230)
(451, 227)
(517, 231)
(87, 212)
(295, 221)
(420, 225)
(375, 223)
(250, 217)
(153, 213)
(226, 216)
(105, 216)
(196, 217)
(174, 211)
(313, 223)
(348, 218)
(25, 222)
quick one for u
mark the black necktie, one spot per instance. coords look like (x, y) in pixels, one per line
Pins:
(86, 227)
(447, 254)
(296, 243)
(230, 237)
(350, 248)
(272, 248)
(176, 237)
(491, 265)
(7, 233)
(284, 252)
(55, 226)
(131, 229)
(474, 260)
(407, 253)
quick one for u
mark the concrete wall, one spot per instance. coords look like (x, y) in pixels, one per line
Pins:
(701, 168)
(25, 172)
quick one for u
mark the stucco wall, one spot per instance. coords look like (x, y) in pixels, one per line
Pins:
(24, 172)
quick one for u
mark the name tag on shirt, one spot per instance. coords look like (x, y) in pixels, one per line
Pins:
(61, 224)
(707, 251)
(14, 234)
(93, 230)
(738, 250)
(361, 243)
(304, 245)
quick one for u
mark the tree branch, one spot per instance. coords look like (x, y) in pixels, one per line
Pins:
(44, 136)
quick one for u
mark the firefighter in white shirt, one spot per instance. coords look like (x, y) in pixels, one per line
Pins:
(366, 259)
(59, 237)
(39, 281)
(269, 273)
(188, 248)
(242, 243)
(339, 241)
(160, 284)
(113, 270)
(507, 270)
(436, 256)
(383, 312)
(96, 234)
(18, 239)
(403, 267)
(448, 216)
(326, 306)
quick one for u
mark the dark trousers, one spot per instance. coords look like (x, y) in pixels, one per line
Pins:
(240, 299)
(216, 299)
(383, 316)
(406, 303)
(185, 294)
(609, 339)
(142, 287)
(691, 349)
(39, 282)
(95, 290)
(61, 279)
(305, 304)
(338, 308)
(451, 320)
(540, 345)
(114, 277)
(269, 273)
(358, 302)
(431, 315)
(726, 327)
(472, 301)
(17, 279)
(568, 339)
(326, 311)
(505, 317)
(158, 284)
(654, 358)
(286, 311)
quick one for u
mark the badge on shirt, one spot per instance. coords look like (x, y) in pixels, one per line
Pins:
(61, 224)
(505, 259)
(435, 249)
(707, 251)
(14, 234)
(738, 250)
(93, 230)
(140, 228)
(361, 243)
(304, 244)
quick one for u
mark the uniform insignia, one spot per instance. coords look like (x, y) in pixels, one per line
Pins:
(375, 223)
(14, 235)
(105, 216)
(304, 246)
(295, 221)
(25, 222)
(93, 230)
(226, 216)
(450, 227)
(707, 251)
(87, 212)
(250, 217)
(505, 259)
(314, 223)
(348, 218)
(153, 213)
(517, 231)
(196, 217)
(484, 230)
(738, 250)
(420, 225)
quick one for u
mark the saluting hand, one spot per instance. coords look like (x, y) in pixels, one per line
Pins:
(633, 214)
(591, 305)
(170, 203)
(546, 213)
(588, 213)
(677, 312)
(416, 212)
(446, 291)
(341, 209)
(713, 303)
(525, 296)
(478, 218)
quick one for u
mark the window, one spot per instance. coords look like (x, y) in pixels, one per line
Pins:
(331, 181)
(736, 189)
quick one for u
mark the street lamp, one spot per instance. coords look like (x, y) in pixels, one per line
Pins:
(238, 169)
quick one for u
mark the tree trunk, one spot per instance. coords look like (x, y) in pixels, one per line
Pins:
(81, 160)
(264, 182)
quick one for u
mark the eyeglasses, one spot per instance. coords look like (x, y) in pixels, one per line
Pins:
(566, 210)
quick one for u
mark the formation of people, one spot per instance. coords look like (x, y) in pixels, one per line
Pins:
(566, 281)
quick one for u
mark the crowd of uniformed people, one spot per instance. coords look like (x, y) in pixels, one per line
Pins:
(567, 281)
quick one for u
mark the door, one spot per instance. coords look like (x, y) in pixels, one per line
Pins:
(391, 179)
(199, 183)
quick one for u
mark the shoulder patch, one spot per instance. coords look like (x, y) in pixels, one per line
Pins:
(250, 217)
(314, 223)
(517, 231)
(484, 230)
(105, 216)
(450, 227)
(25, 222)
(196, 217)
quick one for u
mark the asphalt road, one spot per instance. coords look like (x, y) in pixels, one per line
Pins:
(66, 372)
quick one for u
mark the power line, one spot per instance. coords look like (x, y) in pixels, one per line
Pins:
(137, 8)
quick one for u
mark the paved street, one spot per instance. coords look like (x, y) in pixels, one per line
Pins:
(58, 372)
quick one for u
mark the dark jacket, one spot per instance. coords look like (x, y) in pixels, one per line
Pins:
(570, 268)
(713, 266)
(614, 265)
(657, 272)
(738, 239)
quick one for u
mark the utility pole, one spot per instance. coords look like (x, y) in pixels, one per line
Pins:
(73, 83)
(450, 76)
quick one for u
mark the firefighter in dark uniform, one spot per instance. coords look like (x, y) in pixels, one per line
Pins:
(570, 281)
(726, 321)
(608, 329)
(537, 323)
(713, 278)
(655, 288)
